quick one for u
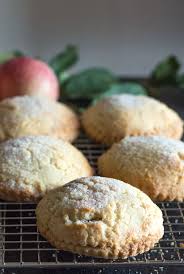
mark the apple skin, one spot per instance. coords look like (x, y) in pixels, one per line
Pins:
(27, 76)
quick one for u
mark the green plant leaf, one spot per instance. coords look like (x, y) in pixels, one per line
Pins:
(4, 57)
(64, 60)
(63, 77)
(88, 83)
(121, 88)
(165, 72)
(180, 80)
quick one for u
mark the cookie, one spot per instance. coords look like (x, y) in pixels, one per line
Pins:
(153, 164)
(33, 115)
(100, 217)
(118, 116)
(31, 166)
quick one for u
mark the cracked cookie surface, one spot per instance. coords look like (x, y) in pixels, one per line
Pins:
(35, 115)
(31, 166)
(118, 116)
(153, 164)
(100, 217)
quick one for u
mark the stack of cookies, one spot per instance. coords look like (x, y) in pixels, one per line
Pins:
(110, 216)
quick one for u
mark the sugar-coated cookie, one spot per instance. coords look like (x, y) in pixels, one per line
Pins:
(31, 166)
(100, 217)
(118, 116)
(35, 115)
(154, 164)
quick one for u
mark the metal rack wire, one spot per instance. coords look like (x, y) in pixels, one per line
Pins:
(22, 245)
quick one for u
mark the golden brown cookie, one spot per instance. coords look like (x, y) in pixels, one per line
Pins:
(100, 217)
(33, 115)
(31, 166)
(118, 116)
(153, 164)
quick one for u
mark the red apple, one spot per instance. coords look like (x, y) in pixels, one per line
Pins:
(24, 75)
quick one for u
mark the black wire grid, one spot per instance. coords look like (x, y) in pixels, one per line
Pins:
(22, 245)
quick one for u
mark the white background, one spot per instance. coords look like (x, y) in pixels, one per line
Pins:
(128, 36)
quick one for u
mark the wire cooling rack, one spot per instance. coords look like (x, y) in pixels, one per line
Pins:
(21, 245)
